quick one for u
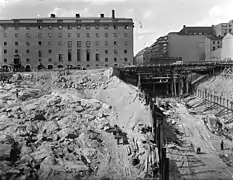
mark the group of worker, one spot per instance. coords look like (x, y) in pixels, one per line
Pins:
(198, 151)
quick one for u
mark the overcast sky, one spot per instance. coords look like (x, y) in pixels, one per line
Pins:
(158, 17)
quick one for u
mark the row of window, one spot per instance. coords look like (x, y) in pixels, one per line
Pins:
(218, 42)
(69, 43)
(70, 26)
(50, 51)
(88, 35)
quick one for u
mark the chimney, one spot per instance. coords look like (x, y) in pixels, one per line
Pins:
(52, 16)
(77, 15)
(102, 15)
(184, 26)
(113, 14)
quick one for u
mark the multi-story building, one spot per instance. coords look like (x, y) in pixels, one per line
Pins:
(58, 42)
(227, 47)
(139, 58)
(213, 45)
(223, 28)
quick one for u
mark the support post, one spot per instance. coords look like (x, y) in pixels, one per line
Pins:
(181, 87)
(175, 87)
(139, 82)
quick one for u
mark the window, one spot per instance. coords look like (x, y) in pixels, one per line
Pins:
(88, 35)
(218, 42)
(213, 42)
(50, 51)
(229, 30)
(78, 43)
(28, 35)
(60, 27)
(115, 65)
(50, 34)
(39, 34)
(69, 26)
(106, 51)
(88, 54)
(126, 43)
(5, 60)
(115, 51)
(106, 26)
(97, 26)
(106, 35)
(16, 51)
(39, 60)
(78, 34)
(60, 57)
(213, 48)
(97, 43)
(125, 34)
(39, 53)
(115, 35)
(27, 51)
(27, 60)
(69, 43)
(50, 60)
(5, 43)
(87, 26)
(78, 55)
(97, 35)
(115, 59)
(39, 27)
(16, 43)
(5, 34)
(49, 43)
(88, 43)
(97, 57)
(27, 43)
(126, 26)
(69, 34)
(97, 65)
(125, 51)
(69, 54)
(50, 27)
(106, 43)
(16, 35)
(78, 26)
(106, 59)
(88, 65)
(125, 59)
(40, 43)
(219, 46)
(115, 43)
(115, 26)
(5, 51)
(28, 28)
(60, 34)
(106, 65)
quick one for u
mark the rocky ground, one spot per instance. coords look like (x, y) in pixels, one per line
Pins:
(65, 125)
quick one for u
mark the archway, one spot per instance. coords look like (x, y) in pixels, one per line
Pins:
(28, 68)
(50, 66)
(60, 66)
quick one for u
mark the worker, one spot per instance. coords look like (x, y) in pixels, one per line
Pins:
(222, 145)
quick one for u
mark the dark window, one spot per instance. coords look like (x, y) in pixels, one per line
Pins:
(16, 34)
(126, 26)
(87, 26)
(115, 65)
(125, 51)
(97, 35)
(88, 65)
(213, 48)
(115, 35)
(115, 43)
(213, 42)
(39, 27)
(49, 43)
(50, 51)
(60, 34)
(16, 51)
(78, 34)
(27, 60)
(88, 35)
(27, 43)
(69, 43)
(97, 43)
(78, 43)
(88, 55)
(106, 35)
(27, 51)
(5, 43)
(60, 57)
(115, 26)
(69, 34)
(115, 59)
(78, 55)
(106, 65)
(50, 60)
(5, 51)
(69, 54)
(106, 59)
(106, 51)
(106, 43)
(16, 43)
(97, 57)
(40, 43)
(5, 60)
(69, 26)
(88, 43)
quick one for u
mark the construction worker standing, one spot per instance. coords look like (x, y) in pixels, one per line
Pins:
(222, 145)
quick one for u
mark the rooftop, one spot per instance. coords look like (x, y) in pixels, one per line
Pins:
(197, 30)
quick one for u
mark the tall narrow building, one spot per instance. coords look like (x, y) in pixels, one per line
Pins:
(58, 42)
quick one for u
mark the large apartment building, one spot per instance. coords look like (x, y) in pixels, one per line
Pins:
(58, 42)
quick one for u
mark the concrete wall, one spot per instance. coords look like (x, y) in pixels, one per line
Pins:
(57, 40)
(189, 47)
(214, 55)
(227, 47)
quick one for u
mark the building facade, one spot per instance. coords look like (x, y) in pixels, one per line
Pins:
(223, 28)
(227, 47)
(213, 45)
(57, 42)
(139, 58)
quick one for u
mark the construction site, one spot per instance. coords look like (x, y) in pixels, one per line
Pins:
(117, 124)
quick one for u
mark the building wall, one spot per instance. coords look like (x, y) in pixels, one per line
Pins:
(189, 47)
(224, 28)
(139, 59)
(214, 55)
(57, 40)
(212, 48)
(227, 47)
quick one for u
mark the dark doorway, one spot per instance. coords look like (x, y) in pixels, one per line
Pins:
(28, 68)
(60, 66)
(50, 66)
